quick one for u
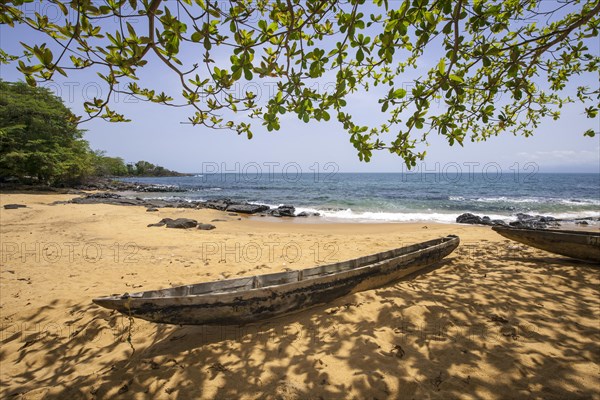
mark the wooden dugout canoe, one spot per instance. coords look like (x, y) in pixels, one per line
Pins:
(251, 299)
(582, 245)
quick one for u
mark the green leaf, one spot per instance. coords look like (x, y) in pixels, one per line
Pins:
(589, 133)
(196, 36)
(131, 31)
(237, 74)
(360, 55)
(30, 80)
(62, 7)
(399, 93)
(442, 66)
(430, 17)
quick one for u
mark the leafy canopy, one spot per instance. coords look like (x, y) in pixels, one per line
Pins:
(494, 66)
(40, 142)
(38, 139)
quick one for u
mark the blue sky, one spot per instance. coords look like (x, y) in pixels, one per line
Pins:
(156, 134)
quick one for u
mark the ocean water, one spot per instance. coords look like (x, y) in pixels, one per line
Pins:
(397, 197)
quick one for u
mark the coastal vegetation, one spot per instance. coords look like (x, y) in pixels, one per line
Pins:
(491, 66)
(41, 143)
(105, 166)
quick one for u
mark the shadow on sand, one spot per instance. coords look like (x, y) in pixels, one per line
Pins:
(471, 326)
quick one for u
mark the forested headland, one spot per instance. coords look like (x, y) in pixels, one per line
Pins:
(40, 142)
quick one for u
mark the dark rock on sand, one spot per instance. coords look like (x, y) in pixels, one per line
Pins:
(247, 208)
(107, 198)
(527, 221)
(284, 211)
(14, 206)
(162, 222)
(307, 214)
(115, 199)
(536, 218)
(486, 220)
(523, 221)
(233, 208)
(181, 223)
(220, 205)
(468, 218)
(206, 227)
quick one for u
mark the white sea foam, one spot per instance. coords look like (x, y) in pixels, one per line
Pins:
(381, 216)
(349, 215)
(371, 216)
(171, 198)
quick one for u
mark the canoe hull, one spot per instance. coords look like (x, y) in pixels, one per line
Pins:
(248, 306)
(574, 244)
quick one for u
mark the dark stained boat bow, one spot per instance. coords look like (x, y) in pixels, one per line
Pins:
(251, 299)
(582, 245)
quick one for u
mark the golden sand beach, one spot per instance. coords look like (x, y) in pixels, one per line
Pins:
(495, 320)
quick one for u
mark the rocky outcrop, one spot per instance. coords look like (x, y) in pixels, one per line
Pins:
(106, 198)
(117, 199)
(468, 218)
(284, 211)
(122, 186)
(308, 214)
(247, 208)
(233, 208)
(534, 221)
(523, 221)
(220, 205)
